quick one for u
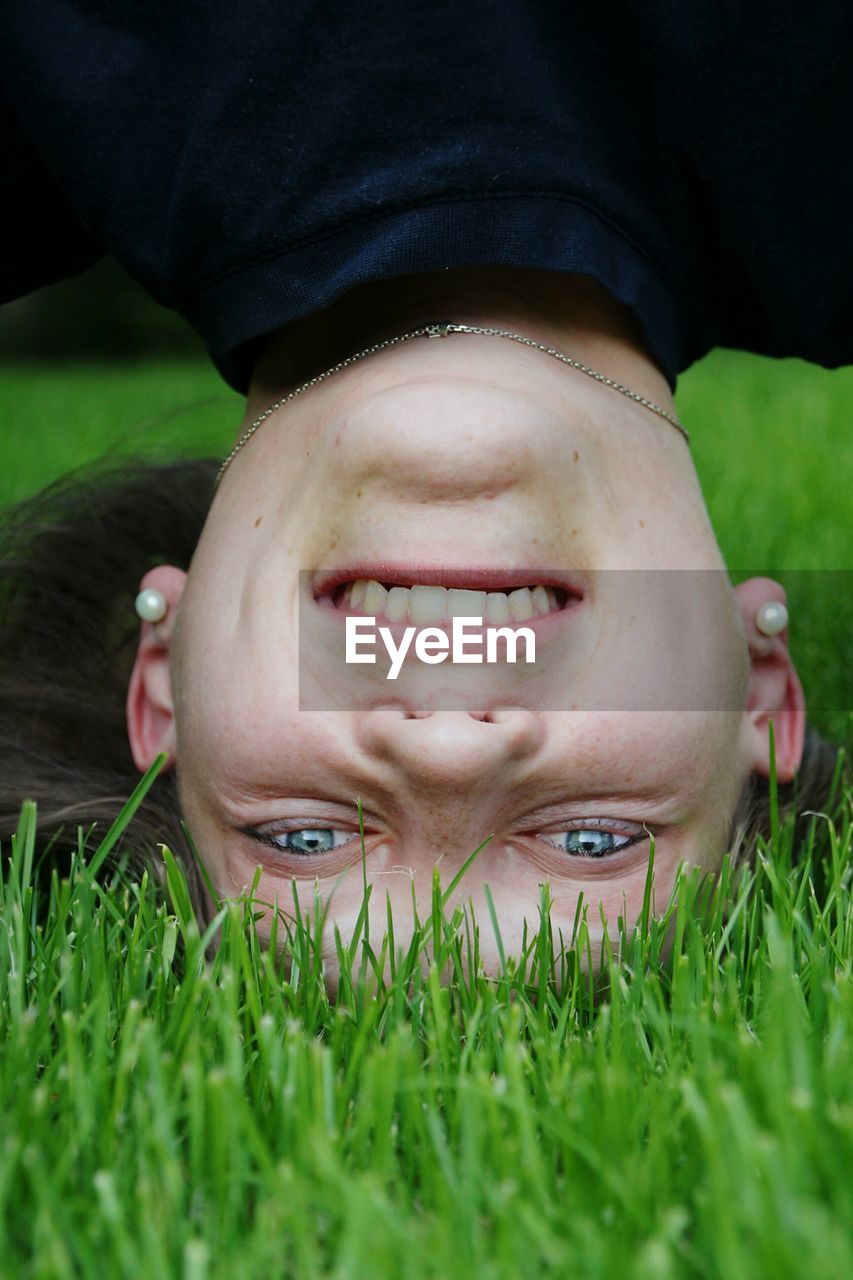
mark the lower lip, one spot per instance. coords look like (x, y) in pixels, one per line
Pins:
(325, 583)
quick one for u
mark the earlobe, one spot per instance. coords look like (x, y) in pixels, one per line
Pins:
(774, 691)
(150, 705)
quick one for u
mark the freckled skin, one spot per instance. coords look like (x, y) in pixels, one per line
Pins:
(457, 451)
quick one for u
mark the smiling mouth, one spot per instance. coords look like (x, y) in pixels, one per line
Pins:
(428, 598)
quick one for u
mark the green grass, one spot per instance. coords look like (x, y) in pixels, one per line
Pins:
(187, 1104)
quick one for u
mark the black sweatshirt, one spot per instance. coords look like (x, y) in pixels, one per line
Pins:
(250, 160)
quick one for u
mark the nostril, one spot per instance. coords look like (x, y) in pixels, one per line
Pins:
(485, 717)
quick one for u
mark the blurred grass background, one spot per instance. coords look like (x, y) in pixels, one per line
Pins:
(93, 367)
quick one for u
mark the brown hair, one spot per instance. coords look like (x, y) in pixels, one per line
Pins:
(70, 563)
(71, 559)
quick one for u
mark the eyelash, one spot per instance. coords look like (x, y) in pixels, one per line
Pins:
(269, 838)
(611, 853)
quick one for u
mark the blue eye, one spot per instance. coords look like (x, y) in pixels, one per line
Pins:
(307, 841)
(590, 843)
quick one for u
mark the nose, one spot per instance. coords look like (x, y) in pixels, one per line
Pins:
(451, 750)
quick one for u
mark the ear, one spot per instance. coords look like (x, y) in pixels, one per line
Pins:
(149, 707)
(774, 691)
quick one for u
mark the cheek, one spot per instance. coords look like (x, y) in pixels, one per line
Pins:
(206, 836)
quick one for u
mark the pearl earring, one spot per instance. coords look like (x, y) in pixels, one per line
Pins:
(771, 618)
(151, 605)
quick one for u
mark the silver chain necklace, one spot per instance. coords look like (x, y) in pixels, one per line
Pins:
(441, 331)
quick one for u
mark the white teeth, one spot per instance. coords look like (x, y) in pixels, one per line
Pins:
(397, 608)
(497, 607)
(541, 603)
(521, 604)
(465, 604)
(375, 599)
(423, 605)
(357, 593)
(427, 604)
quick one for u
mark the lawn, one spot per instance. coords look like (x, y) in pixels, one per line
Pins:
(171, 1110)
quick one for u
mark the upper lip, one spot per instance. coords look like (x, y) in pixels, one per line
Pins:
(325, 582)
